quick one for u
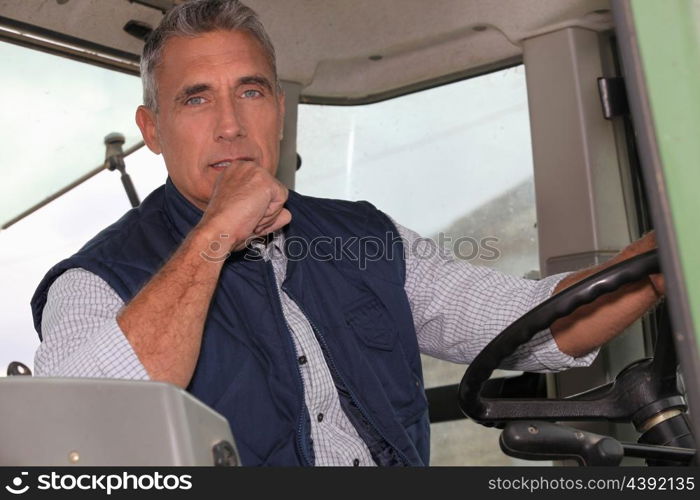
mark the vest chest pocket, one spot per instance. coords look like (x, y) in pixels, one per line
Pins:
(371, 321)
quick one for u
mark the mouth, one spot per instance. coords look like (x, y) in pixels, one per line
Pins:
(222, 164)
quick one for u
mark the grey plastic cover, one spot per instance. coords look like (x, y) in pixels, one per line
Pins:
(100, 422)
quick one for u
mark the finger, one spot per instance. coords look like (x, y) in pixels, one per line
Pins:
(270, 215)
(280, 221)
(267, 220)
(284, 218)
(274, 207)
(281, 193)
(262, 227)
(273, 211)
(658, 284)
(262, 230)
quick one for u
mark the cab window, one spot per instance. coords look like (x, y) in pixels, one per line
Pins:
(453, 163)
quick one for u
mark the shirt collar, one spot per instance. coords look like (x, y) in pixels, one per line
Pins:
(270, 246)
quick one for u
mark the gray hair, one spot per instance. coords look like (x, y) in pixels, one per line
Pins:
(193, 18)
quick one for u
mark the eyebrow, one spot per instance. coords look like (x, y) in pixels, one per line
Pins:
(196, 88)
(191, 90)
(256, 80)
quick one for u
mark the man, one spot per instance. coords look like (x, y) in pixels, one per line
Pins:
(313, 361)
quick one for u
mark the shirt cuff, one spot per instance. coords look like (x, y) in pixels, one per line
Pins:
(548, 352)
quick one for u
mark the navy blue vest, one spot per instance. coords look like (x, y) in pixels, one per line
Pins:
(346, 273)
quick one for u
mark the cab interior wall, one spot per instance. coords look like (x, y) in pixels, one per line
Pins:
(349, 51)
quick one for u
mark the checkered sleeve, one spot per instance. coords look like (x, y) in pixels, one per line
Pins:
(81, 337)
(458, 308)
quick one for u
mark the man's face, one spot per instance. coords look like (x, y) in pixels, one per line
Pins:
(217, 104)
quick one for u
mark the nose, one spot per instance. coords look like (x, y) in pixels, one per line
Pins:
(229, 125)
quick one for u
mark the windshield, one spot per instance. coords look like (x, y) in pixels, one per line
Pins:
(56, 113)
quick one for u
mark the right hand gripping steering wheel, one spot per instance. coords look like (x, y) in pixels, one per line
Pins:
(641, 391)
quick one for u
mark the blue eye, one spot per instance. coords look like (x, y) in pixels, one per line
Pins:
(195, 100)
(252, 93)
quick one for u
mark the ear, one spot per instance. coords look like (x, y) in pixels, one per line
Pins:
(282, 109)
(146, 120)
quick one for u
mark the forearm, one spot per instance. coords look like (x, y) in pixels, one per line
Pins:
(596, 323)
(164, 322)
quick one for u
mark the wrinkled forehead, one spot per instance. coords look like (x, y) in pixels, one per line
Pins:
(236, 50)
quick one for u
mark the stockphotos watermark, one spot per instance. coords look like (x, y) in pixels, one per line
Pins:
(106, 483)
(365, 249)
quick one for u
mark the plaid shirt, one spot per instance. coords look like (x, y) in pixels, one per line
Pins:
(457, 309)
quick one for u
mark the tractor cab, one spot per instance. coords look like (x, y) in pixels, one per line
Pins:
(533, 137)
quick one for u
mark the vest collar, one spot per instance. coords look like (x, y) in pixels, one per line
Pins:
(182, 214)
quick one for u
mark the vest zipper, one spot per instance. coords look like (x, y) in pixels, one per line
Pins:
(300, 444)
(335, 372)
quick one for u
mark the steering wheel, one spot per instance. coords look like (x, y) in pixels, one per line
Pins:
(639, 386)
(646, 392)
